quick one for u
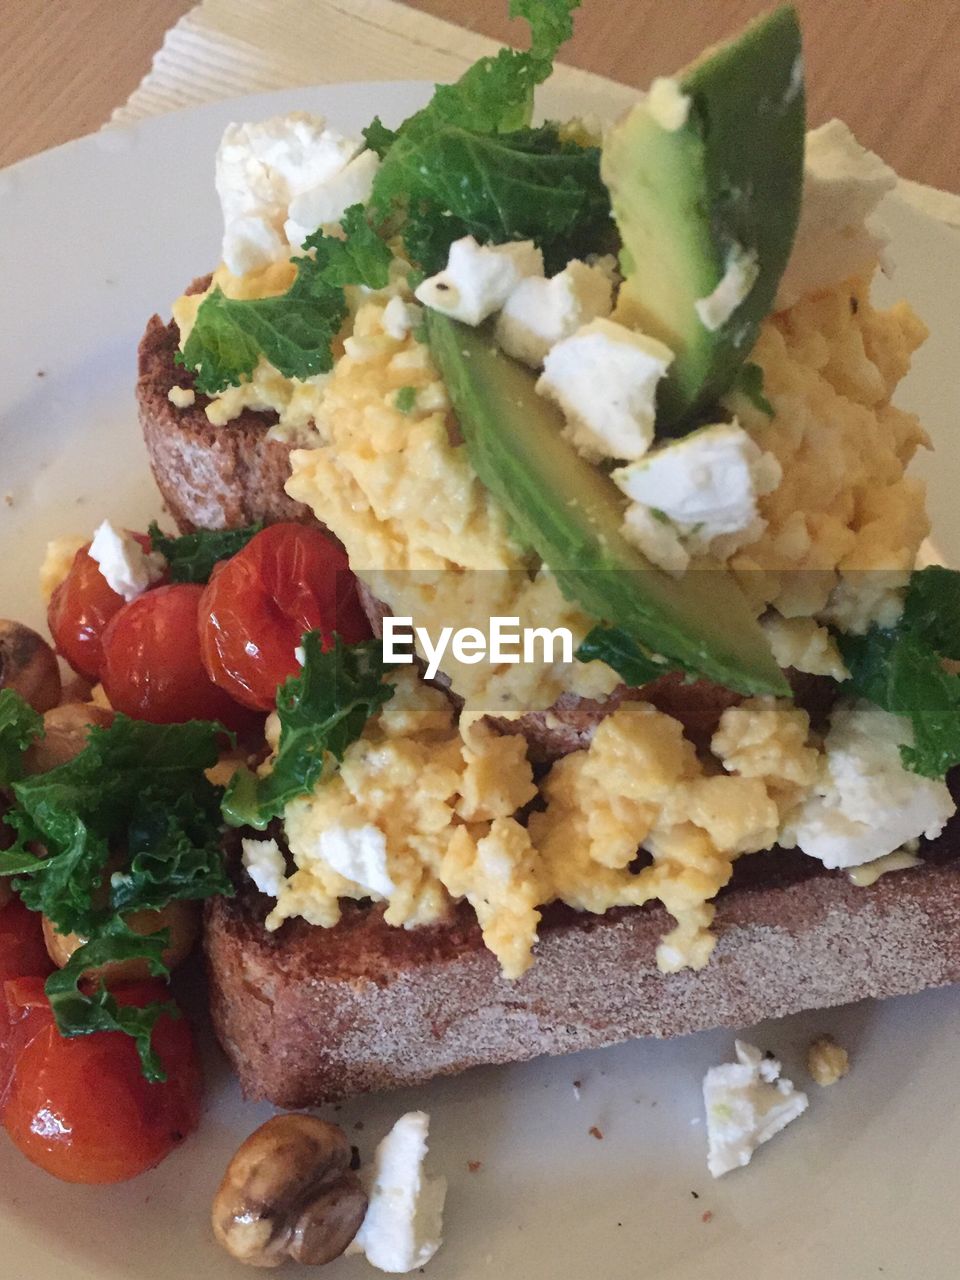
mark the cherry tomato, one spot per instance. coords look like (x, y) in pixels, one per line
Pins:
(80, 609)
(24, 1013)
(81, 1109)
(23, 952)
(151, 661)
(287, 580)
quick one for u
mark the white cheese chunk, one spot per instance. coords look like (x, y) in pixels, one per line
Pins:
(657, 537)
(704, 487)
(261, 169)
(540, 313)
(668, 104)
(866, 803)
(128, 569)
(265, 865)
(837, 238)
(736, 282)
(399, 318)
(402, 1229)
(327, 202)
(604, 378)
(478, 278)
(747, 1104)
(358, 854)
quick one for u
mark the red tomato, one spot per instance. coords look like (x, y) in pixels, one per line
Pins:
(80, 609)
(24, 1012)
(151, 661)
(287, 580)
(81, 1108)
(23, 952)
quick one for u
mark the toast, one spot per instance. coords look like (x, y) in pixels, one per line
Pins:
(310, 1015)
(210, 477)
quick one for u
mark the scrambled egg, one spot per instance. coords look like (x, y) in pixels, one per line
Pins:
(449, 812)
(638, 815)
(845, 525)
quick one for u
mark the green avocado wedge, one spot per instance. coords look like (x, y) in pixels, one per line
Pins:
(570, 512)
(706, 179)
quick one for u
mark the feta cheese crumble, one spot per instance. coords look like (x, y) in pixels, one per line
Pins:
(478, 278)
(668, 104)
(127, 568)
(265, 865)
(747, 1103)
(687, 494)
(842, 185)
(358, 854)
(604, 378)
(866, 804)
(539, 313)
(404, 1219)
(736, 282)
(280, 170)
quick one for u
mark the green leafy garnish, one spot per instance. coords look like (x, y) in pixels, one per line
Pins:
(361, 257)
(78, 1013)
(191, 557)
(294, 331)
(137, 790)
(526, 185)
(901, 670)
(618, 650)
(749, 382)
(20, 726)
(469, 164)
(322, 711)
(406, 399)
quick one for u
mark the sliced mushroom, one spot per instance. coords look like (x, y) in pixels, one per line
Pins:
(181, 918)
(289, 1192)
(65, 731)
(28, 665)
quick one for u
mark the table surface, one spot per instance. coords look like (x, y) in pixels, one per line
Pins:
(890, 68)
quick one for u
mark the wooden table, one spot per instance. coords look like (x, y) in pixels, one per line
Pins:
(890, 68)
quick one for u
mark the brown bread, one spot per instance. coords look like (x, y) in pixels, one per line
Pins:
(210, 477)
(308, 1015)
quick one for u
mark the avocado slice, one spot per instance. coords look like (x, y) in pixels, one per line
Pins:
(569, 512)
(706, 176)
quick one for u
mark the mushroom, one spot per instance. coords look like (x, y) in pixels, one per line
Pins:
(65, 731)
(289, 1192)
(28, 665)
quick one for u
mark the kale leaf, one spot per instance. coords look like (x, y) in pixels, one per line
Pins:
(192, 557)
(79, 1013)
(129, 824)
(20, 726)
(295, 330)
(322, 711)
(901, 669)
(526, 185)
(618, 650)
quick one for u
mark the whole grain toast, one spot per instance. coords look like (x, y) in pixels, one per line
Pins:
(210, 477)
(309, 1015)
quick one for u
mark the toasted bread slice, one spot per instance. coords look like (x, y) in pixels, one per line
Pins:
(308, 1015)
(210, 477)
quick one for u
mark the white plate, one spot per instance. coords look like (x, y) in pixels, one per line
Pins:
(94, 237)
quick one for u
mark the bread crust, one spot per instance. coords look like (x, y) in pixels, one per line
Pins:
(310, 1015)
(210, 477)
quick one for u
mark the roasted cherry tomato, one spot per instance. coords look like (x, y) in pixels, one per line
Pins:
(23, 952)
(287, 580)
(80, 609)
(151, 661)
(81, 1109)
